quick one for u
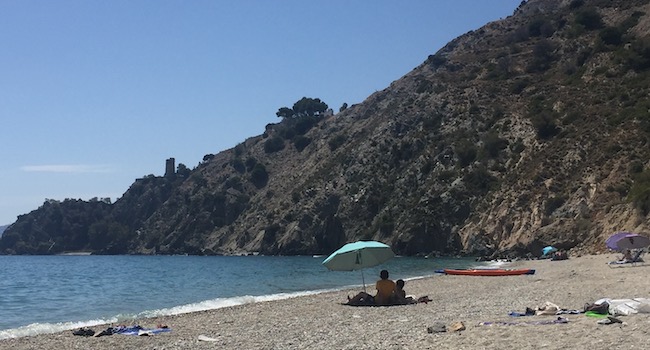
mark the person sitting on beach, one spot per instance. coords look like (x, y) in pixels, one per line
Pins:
(399, 294)
(627, 256)
(560, 255)
(385, 288)
(400, 297)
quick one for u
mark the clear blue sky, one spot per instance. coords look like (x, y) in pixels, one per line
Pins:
(94, 94)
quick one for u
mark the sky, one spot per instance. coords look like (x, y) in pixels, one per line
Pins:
(94, 94)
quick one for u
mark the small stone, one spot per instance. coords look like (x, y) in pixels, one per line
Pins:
(457, 327)
(437, 327)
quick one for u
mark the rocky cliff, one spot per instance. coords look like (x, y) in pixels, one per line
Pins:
(529, 131)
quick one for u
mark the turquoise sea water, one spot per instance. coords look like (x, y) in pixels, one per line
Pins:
(45, 294)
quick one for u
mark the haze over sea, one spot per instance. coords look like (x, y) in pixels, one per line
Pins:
(46, 294)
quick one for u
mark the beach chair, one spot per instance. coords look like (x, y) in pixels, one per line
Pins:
(637, 259)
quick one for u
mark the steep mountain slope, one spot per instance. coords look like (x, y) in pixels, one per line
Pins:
(529, 131)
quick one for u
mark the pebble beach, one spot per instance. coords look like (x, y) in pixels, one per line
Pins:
(481, 304)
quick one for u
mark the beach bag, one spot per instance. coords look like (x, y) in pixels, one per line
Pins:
(602, 308)
(85, 332)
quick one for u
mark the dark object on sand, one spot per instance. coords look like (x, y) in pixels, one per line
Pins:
(84, 332)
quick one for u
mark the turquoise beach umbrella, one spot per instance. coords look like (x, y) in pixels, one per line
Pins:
(549, 249)
(359, 255)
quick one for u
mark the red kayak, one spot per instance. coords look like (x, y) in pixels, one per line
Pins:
(487, 272)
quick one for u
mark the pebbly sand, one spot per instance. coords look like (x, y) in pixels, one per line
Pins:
(321, 322)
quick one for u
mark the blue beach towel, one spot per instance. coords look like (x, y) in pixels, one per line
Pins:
(137, 330)
(528, 312)
(559, 320)
(518, 314)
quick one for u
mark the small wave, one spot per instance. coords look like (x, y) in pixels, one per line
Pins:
(495, 263)
(220, 303)
(48, 328)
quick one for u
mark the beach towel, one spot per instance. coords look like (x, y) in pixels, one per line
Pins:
(374, 305)
(567, 311)
(559, 320)
(531, 312)
(133, 330)
(528, 312)
(547, 309)
(628, 307)
(137, 330)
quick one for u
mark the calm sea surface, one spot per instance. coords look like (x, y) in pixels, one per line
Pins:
(45, 294)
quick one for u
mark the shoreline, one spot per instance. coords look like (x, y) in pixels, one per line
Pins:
(120, 318)
(320, 321)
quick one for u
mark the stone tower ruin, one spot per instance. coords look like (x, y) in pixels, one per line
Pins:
(170, 167)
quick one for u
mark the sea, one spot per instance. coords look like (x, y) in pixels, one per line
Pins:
(48, 294)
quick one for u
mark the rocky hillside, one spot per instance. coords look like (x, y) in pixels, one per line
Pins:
(529, 131)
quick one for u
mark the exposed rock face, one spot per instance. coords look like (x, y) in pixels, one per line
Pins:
(529, 131)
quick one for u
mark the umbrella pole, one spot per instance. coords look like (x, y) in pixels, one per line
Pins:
(364, 281)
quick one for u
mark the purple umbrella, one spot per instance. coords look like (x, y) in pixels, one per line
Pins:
(627, 240)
